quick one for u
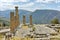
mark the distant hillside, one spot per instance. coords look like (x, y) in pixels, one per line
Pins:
(39, 16)
(45, 16)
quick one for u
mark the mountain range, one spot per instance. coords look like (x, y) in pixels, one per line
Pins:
(39, 16)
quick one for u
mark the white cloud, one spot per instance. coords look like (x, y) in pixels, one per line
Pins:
(14, 0)
(23, 0)
(46, 1)
(10, 6)
(57, 1)
(4, 6)
(27, 5)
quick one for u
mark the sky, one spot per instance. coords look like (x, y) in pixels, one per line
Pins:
(30, 5)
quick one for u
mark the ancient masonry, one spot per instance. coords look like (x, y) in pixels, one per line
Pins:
(24, 20)
(30, 19)
(14, 19)
(17, 16)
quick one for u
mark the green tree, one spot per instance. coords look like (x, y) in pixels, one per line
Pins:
(55, 21)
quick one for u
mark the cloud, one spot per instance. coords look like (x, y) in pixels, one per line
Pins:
(24, 0)
(14, 0)
(26, 4)
(46, 1)
(57, 1)
(10, 6)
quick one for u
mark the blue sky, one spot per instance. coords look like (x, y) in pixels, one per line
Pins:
(30, 5)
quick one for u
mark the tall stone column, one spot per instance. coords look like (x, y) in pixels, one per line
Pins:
(12, 21)
(24, 20)
(30, 19)
(17, 16)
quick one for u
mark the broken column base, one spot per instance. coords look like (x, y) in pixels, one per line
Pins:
(30, 25)
(24, 25)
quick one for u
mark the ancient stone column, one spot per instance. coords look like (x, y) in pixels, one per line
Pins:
(16, 23)
(30, 19)
(24, 20)
(12, 21)
(17, 15)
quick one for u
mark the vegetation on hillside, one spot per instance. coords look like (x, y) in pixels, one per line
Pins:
(55, 21)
